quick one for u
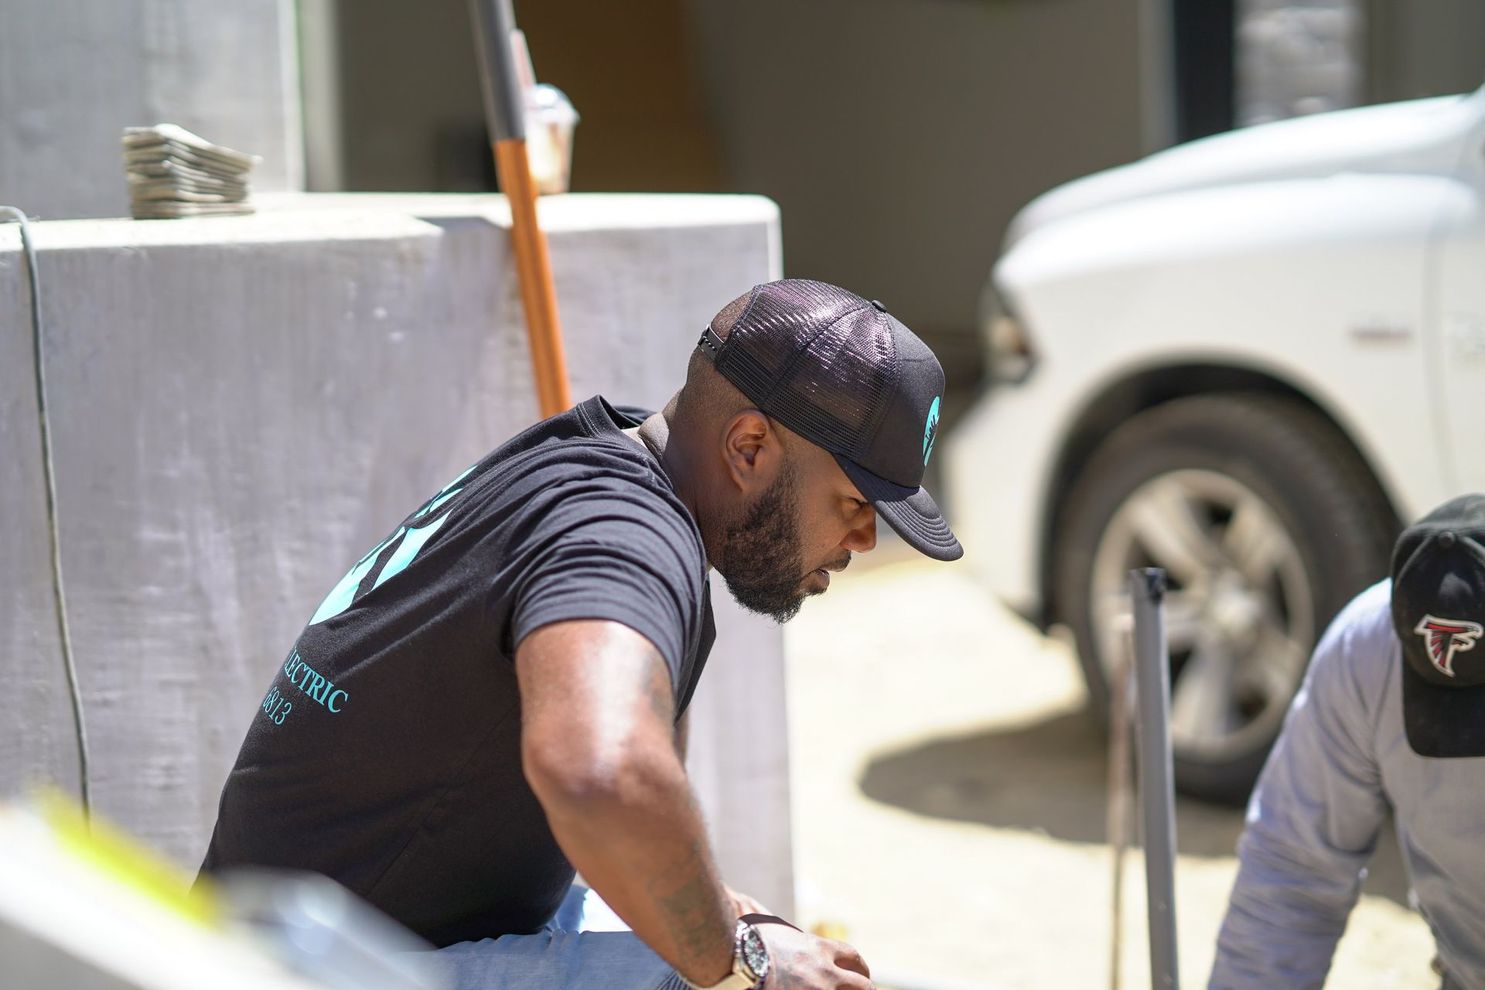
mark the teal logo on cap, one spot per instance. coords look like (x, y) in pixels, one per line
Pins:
(930, 430)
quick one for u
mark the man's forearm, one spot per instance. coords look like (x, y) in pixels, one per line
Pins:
(637, 836)
(1282, 922)
(597, 747)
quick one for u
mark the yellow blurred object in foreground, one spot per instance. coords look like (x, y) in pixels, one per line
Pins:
(83, 905)
(115, 855)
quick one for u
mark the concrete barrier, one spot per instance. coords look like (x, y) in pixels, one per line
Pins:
(241, 407)
(75, 73)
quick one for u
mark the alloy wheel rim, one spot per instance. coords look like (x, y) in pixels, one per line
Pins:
(1239, 610)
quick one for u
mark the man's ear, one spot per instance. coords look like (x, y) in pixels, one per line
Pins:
(752, 449)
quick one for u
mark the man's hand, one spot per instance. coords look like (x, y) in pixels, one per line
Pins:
(801, 961)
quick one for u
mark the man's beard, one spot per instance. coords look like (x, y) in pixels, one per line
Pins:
(761, 559)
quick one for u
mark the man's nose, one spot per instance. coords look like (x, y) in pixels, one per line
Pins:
(862, 538)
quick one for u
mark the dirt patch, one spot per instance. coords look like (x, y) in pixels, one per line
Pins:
(949, 804)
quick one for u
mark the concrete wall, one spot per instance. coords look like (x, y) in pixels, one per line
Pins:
(1306, 56)
(1424, 49)
(897, 137)
(412, 117)
(1298, 58)
(242, 406)
(75, 73)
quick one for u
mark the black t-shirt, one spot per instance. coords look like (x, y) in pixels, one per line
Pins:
(387, 751)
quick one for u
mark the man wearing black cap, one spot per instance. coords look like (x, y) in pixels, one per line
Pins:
(490, 697)
(1391, 716)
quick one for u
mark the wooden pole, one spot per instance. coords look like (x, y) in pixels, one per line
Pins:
(534, 271)
(505, 116)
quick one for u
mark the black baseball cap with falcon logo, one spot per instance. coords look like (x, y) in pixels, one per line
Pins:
(1438, 611)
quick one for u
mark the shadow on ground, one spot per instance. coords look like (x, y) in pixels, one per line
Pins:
(1050, 777)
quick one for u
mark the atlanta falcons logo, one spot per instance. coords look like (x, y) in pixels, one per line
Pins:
(1446, 637)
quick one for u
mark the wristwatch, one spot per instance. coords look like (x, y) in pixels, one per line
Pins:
(749, 962)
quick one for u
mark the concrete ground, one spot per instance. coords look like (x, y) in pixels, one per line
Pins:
(949, 803)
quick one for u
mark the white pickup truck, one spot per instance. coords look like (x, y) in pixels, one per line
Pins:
(1244, 360)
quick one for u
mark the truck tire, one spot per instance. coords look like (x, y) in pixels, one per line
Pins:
(1266, 522)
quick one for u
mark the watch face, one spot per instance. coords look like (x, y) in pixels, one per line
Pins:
(755, 953)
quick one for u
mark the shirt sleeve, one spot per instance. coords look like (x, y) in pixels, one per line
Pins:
(1314, 817)
(617, 555)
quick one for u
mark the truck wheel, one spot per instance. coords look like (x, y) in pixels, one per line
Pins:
(1266, 522)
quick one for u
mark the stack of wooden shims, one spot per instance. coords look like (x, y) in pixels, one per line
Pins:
(174, 173)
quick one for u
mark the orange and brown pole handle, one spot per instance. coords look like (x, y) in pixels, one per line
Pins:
(505, 116)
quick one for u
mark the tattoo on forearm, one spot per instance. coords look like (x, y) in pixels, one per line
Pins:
(691, 908)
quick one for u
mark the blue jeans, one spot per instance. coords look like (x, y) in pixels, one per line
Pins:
(567, 954)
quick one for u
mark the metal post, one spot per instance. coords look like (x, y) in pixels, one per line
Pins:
(1157, 793)
(504, 112)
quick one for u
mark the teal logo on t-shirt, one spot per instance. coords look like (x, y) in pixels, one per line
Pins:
(930, 430)
(409, 540)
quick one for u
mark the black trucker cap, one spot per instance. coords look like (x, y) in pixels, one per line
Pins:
(844, 374)
(1438, 610)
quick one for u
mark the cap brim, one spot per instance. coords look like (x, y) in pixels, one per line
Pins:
(1442, 722)
(911, 512)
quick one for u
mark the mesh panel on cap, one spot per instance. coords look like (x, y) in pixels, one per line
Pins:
(833, 389)
(724, 321)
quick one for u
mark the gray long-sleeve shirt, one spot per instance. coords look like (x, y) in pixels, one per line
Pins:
(1320, 804)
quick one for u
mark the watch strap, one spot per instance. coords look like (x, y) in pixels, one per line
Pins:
(769, 919)
(732, 981)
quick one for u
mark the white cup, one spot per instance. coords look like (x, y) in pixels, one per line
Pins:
(550, 121)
